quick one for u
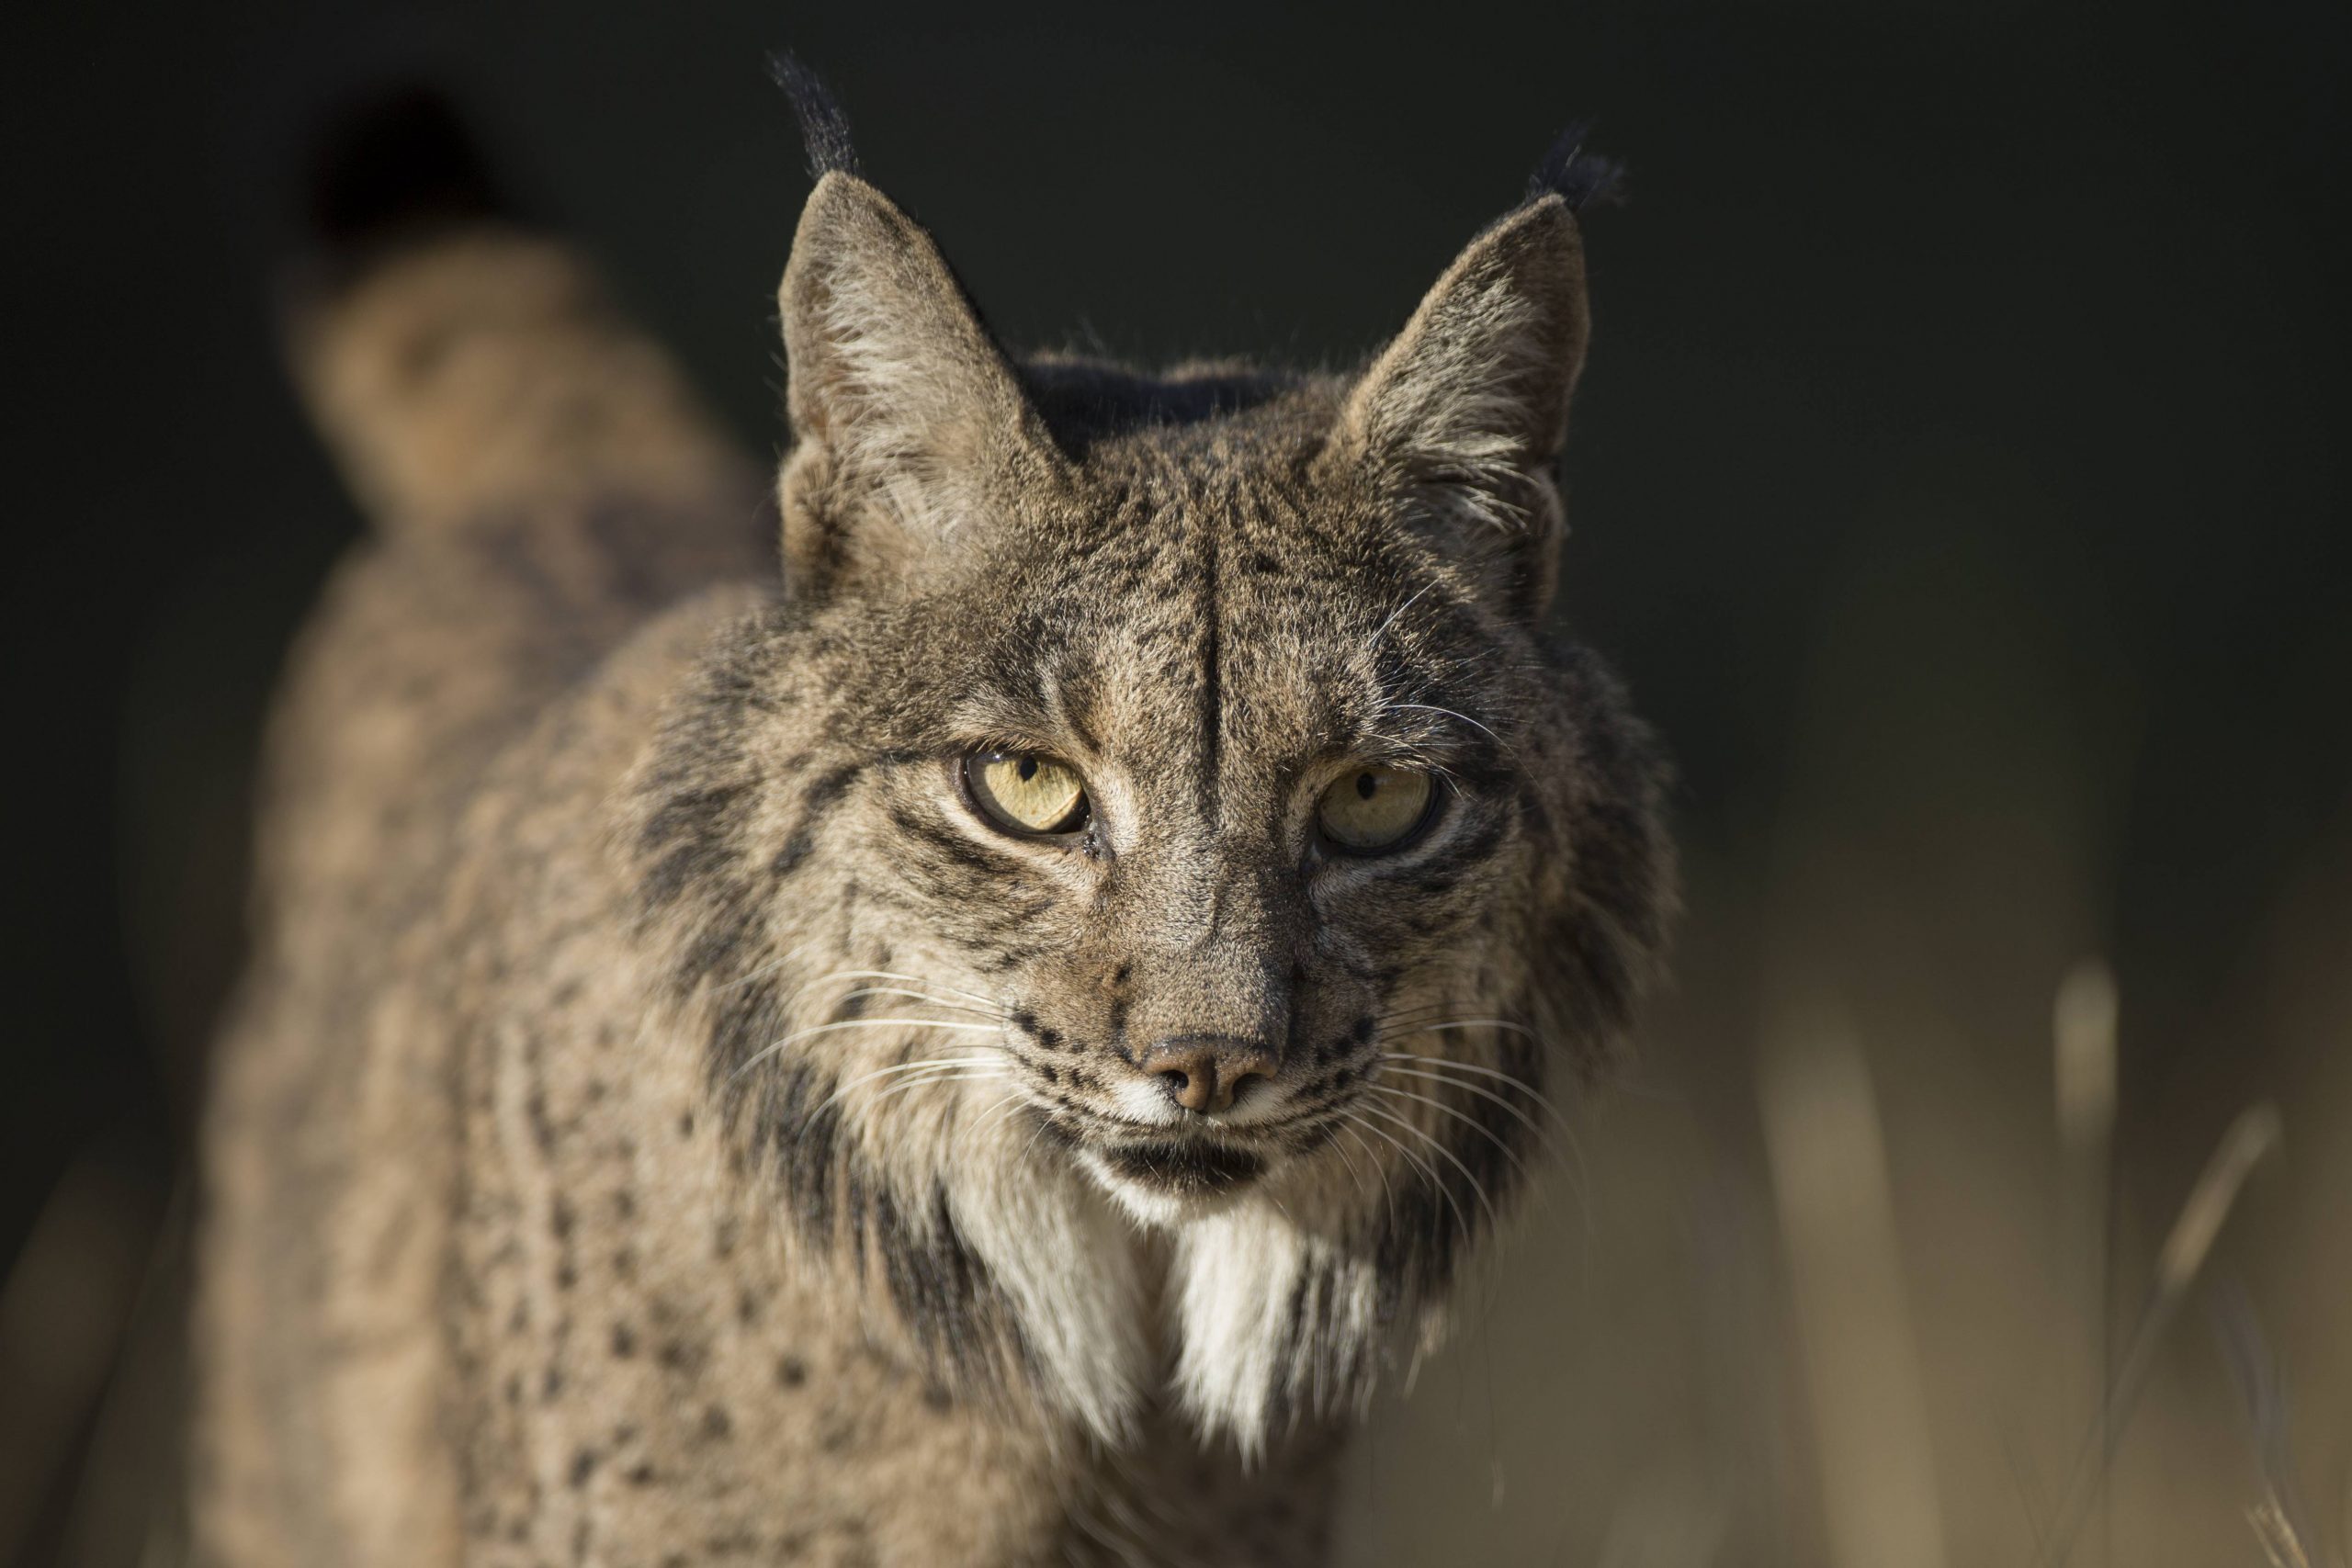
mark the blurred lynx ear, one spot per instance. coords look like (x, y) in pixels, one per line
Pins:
(1460, 419)
(904, 409)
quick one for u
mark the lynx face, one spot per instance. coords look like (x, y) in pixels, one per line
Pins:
(1161, 791)
(1212, 806)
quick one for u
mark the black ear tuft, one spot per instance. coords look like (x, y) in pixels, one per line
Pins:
(392, 163)
(390, 169)
(824, 129)
(1577, 176)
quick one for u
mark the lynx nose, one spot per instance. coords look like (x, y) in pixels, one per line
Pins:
(1203, 1072)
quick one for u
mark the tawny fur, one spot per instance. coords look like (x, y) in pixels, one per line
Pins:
(572, 1194)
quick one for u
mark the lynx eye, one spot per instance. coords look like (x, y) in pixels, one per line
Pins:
(1024, 793)
(1368, 808)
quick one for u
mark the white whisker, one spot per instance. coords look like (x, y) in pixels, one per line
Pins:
(1378, 1169)
(814, 1030)
(994, 1114)
(1502, 1023)
(1428, 707)
(1382, 630)
(1425, 1168)
(921, 997)
(961, 1076)
(1477, 1187)
(906, 980)
(1482, 1092)
(770, 967)
(1468, 1121)
(902, 1067)
(1353, 1174)
(1543, 1102)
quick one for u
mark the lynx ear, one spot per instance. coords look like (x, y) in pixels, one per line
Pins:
(905, 410)
(1459, 420)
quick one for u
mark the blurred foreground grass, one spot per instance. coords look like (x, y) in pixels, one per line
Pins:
(1912, 1241)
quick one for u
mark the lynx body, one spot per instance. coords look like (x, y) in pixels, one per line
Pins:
(976, 1048)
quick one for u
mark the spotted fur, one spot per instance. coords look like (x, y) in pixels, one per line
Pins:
(666, 1123)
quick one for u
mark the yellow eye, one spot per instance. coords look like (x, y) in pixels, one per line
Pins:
(1370, 808)
(1024, 793)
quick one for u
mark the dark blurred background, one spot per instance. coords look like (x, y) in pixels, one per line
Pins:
(1958, 479)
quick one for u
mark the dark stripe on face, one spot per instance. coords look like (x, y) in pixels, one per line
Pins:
(945, 1292)
(803, 1123)
(1080, 732)
(1211, 675)
(745, 1017)
(951, 848)
(827, 786)
(693, 835)
(819, 801)
(1450, 862)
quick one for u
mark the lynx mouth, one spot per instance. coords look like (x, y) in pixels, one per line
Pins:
(1190, 1168)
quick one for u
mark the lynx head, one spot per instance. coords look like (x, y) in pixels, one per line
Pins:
(1156, 805)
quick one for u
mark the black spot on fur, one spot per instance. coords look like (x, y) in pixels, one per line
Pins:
(826, 790)
(788, 859)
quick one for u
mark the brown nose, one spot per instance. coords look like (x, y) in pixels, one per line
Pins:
(1201, 1072)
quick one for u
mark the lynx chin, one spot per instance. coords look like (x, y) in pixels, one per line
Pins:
(976, 1043)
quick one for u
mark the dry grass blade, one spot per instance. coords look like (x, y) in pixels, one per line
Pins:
(2282, 1547)
(62, 1309)
(2254, 1134)
(2084, 1073)
(2083, 1028)
(2280, 1521)
(1830, 1177)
